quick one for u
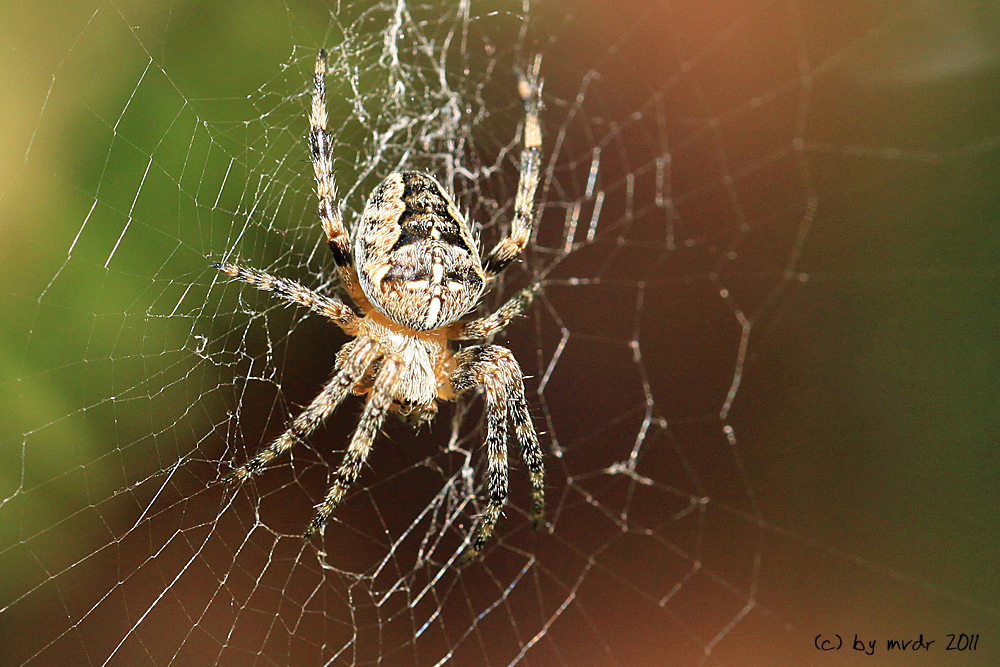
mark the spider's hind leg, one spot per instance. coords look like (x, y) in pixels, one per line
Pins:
(328, 207)
(506, 251)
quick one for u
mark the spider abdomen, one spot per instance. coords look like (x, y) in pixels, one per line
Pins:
(417, 261)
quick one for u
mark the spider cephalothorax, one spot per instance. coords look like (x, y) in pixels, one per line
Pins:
(414, 271)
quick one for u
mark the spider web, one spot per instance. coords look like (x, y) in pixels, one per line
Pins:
(762, 360)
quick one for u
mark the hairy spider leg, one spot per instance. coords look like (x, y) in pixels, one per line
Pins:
(329, 307)
(523, 223)
(326, 187)
(379, 402)
(531, 452)
(354, 366)
(496, 370)
(495, 322)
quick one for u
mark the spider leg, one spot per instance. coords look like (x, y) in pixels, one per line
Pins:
(491, 324)
(379, 402)
(354, 366)
(531, 452)
(494, 368)
(326, 188)
(511, 246)
(330, 308)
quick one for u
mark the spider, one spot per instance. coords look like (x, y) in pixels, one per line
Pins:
(414, 271)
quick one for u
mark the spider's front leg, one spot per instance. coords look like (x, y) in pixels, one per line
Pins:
(494, 368)
(352, 369)
(379, 402)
